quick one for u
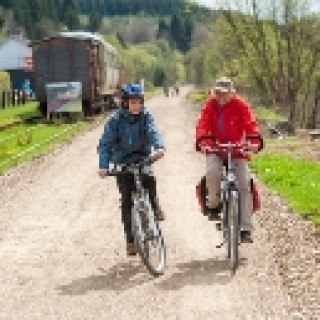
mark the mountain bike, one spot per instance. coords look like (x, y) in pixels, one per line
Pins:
(146, 230)
(230, 197)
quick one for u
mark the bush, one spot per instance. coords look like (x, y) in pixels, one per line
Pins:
(4, 81)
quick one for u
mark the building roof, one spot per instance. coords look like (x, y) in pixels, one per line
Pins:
(82, 35)
(13, 52)
(15, 37)
(85, 35)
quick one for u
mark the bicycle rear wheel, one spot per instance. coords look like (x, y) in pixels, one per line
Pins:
(149, 239)
(233, 229)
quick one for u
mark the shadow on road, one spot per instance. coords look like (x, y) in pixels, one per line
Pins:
(121, 276)
(197, 273)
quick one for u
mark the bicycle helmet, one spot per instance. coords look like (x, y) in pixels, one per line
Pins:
(132, 91)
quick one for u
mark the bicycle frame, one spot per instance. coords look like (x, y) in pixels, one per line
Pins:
(230, 198)
(139, 194)
(229, 184)
(145, 228)
(141, 199)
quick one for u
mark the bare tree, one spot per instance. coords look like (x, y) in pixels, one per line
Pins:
(279, 39)
(199, 36)
(138, 30)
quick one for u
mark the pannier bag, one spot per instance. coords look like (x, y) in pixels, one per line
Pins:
(256, 201)
(201, 194)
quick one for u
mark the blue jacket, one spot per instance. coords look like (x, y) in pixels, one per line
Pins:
(125, 133)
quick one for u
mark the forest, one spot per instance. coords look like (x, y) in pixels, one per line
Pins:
(271, 52)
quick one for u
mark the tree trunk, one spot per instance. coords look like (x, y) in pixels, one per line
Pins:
(315, 110)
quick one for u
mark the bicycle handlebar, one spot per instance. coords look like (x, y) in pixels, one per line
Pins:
(128, 168)
(240, 146)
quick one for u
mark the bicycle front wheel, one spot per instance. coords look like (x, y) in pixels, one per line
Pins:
(233, 229)
(149, 238)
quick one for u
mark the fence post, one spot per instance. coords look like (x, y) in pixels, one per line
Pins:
(24, 95)
(19, 97)
(13, 98)
(8, 98)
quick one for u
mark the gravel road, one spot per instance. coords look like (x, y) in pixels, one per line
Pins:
(62, 249)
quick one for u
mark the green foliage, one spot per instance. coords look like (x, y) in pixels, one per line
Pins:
(4, 81)
(28, 13)
(70, 15)
(297, 180)
(153, 61)
(131, 7)
(95, 21)
(116, 42)
(198, 96)
(267, 114)
(176, 24)
(22, 143)
(159, 77)
(273, 53)
(22, 112)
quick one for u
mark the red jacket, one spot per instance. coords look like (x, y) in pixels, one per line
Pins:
(229, 123)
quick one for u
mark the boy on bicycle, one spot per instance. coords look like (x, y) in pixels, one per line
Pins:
(129, 136)
(229, 119)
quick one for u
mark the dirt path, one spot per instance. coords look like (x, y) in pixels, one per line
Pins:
(62, 250)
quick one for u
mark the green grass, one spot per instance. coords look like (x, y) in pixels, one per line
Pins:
(198, 96)
(33, 139)
(22, 112)
(151, 93)
(268, 114)
(298, 181)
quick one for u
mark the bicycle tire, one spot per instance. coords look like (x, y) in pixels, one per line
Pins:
(147, 236)
(233, 229)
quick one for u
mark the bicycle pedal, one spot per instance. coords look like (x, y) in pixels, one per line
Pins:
(219, 226)
(218, 246)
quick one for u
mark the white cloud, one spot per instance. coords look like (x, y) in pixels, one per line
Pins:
(213, 4)
(207, 3)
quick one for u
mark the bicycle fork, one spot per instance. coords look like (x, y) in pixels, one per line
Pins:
(226, 186)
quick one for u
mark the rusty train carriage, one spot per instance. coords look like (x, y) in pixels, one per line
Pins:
(82, 57)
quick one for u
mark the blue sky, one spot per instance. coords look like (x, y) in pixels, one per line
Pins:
(211, 4)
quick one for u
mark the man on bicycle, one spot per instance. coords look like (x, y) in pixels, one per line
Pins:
(129, 136)
(229, 119)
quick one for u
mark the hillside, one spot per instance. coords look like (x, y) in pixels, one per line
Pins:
(51, 16)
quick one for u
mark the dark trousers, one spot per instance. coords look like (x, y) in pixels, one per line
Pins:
(126, 187)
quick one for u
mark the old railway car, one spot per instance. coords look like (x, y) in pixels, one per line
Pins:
(77, 57)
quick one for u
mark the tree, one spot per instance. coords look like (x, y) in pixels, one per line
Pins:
(71, 19)
(159, 77)
(176, 30)
(200, 35)
(137, 31)
(95, 21)
(45, 28)
(282, 48)
(188, 30)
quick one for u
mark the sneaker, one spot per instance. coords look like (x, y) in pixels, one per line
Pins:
(213, 214)
(159, 215)
(132, 250)
(246, 237)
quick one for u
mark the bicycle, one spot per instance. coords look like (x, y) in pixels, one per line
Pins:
(230, 197)
(146, 230)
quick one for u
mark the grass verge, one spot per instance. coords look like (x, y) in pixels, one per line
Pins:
(151, 93)
(198, 96)
(268, 114)
(11, 114)
(24, 142)
(298, 181)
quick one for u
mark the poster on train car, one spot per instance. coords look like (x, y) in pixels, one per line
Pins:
(64, 97)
